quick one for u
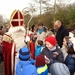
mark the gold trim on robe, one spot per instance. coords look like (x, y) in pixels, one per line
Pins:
(9, 39)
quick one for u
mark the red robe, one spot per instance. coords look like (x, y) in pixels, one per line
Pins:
(32, 49)
(8, 54)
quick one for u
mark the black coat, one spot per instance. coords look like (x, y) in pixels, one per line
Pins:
(61, 33)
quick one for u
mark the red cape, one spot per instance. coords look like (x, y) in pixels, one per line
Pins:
(8, 54)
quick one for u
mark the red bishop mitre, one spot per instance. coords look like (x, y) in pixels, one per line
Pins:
(16, 19)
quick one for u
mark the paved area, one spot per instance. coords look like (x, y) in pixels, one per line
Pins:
(1, 68)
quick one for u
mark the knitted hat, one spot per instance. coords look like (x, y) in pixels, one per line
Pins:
(59, 69)
(40, 60)
(24, 54)
(51, 40)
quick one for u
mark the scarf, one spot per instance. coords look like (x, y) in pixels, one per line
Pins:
(40, 30)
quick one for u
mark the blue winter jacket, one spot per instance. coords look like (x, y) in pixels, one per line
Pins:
(38, 50)
(26, 68)
(70, 62)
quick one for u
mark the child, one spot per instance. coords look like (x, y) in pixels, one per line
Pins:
(50, 33)
(52, 52)
(42, 68)
(70, 58)
(25, 65)
(59, 69)
(39, 47)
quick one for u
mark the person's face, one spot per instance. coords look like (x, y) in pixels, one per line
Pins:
(48, 45)
(37, 43)
(40, 27)
(64, 42)
(7, 25)
(56, 26)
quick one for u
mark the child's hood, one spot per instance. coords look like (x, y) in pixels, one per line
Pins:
(31, 61)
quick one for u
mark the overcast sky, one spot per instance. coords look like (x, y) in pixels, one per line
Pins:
(7, 6)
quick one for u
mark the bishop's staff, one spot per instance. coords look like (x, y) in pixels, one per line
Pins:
(25, 12)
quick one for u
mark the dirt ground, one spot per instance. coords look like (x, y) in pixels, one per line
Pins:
(1, 68)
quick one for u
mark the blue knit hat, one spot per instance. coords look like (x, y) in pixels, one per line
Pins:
(59, 69)
(24, 54)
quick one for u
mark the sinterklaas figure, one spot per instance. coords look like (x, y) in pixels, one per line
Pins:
(13, 40)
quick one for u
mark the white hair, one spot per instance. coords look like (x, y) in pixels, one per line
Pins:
(59, 22)
(18, 33)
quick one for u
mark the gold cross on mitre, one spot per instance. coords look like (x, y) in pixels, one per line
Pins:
(16, 18)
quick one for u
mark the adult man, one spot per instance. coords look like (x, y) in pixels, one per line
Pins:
(61, 32)
(13, 40)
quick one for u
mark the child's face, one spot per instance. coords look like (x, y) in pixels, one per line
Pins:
(64, 42)
(40, 27)
(37, 44)
(48, 45)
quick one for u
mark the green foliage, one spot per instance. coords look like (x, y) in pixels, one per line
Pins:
(62, 15)
(65, 14)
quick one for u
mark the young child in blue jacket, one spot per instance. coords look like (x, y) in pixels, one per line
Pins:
(70, 58)
(39, 47)
(26, 65)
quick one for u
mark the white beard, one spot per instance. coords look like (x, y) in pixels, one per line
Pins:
(18, 33)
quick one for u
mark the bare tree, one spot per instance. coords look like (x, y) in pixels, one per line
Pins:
(42, 4)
